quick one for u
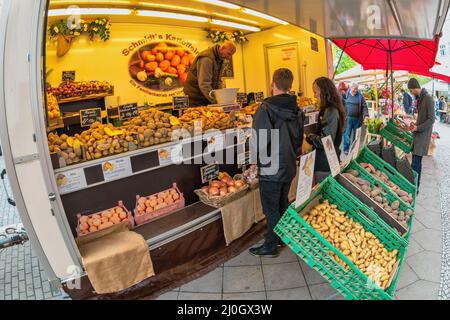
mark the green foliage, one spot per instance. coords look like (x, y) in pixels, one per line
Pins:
(99, 27)
(217, 36)
(346, 62)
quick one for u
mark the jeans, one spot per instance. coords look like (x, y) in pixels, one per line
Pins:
(274, 200)
(417, 167)
(350, 131)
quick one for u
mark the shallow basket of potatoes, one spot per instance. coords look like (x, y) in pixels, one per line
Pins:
(345, 241)
(378, 196)
(157, 205)
(99, 222)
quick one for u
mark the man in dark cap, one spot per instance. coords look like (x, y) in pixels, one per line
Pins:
(423, 128)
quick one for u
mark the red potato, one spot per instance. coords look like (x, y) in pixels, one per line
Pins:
(175, 61)
(180, 52)
(151, 66)
(150, 57)
(144, 54)
(169, 55)
(164, 65)
(154, 51)
(185, 60)
(181, 68)
(172, 70)
(159, 57)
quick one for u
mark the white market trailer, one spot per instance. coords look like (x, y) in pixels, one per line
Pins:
(22, 126)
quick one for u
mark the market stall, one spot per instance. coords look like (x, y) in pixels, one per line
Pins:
(88, 117)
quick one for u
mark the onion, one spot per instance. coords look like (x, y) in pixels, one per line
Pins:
(216, 184)
(230, 183)
(225, 179)
(205, 189)
(239, 183)
(223, 191)
(214, 191)
(232, 189)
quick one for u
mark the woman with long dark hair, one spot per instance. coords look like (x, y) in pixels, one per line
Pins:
(331, 123)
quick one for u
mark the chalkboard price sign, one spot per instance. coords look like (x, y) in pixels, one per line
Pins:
(89, 116)
(68, 75)
(259, 96)
(241, 97)
(209, 172)
(128, 111)
(181, 102)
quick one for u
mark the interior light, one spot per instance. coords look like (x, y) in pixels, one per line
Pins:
(171, 15)
(234, 18)
(221, 4)
(264, 16)
(234, 25)
(169, 6)
(88, 11)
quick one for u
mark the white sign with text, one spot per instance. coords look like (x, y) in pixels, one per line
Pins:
(305, 178)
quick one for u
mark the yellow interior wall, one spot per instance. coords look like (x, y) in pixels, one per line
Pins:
(104, 61)
(254, 59)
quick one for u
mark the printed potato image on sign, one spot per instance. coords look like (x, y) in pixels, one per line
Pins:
(307, 167)
(61, 180)
(160, 66)
(108, 166)
(163, 154)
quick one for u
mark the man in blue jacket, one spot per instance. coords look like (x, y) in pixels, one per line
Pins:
(357, 114)
(407, 102)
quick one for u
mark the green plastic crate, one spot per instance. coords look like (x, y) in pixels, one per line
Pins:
(396, 177)
(395, 140)
(307, 243)
(396, 129)
(391, 196)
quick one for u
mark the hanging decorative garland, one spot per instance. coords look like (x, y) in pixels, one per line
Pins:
(65, 33)
(217, 36)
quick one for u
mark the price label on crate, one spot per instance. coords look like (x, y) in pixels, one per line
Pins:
(331, 154)
(355, 151)
(259, 96)
(241, 97)
(68, 76)
(305, 178)
(128, 111)
(180, 102)
(90, 116)
(209, 172)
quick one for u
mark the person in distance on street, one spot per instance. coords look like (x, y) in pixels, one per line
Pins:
(423, 128)
(331, 123)
(276, 141)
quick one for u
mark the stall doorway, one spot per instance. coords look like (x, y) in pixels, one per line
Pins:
(284, 55)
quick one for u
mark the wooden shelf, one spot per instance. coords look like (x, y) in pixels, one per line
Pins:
(90, 97)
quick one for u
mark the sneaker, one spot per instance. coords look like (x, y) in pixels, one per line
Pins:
(264, 252)
(281, 244)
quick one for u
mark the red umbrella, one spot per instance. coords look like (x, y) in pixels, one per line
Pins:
(405, 54)
(417, 56)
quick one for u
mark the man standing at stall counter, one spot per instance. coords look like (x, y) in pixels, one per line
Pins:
(205, 72)
(423, 128)
(277, 140)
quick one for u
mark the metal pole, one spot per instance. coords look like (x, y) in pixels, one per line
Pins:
(392, 78)
(339, 61)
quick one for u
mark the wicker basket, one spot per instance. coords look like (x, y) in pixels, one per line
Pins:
(220, 201)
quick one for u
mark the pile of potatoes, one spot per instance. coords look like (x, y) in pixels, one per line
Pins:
(152, 127)
(156, 202)
(68, 148)
(98, 143)
(359, 246)
(52, 107)
(211, 118)
(407, 197)
(101, 220)
(379, 196)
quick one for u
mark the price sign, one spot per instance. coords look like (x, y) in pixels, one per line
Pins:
(314, 44)
(68, 75)
(90, 116)
(128, 111)
(305, 178)
(241, 97)
(180, 102)
(231, 107)
(198, 127)
(259, 96)
(331, 154)
(209, 172)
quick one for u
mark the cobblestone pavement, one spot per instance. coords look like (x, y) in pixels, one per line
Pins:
(21, 276)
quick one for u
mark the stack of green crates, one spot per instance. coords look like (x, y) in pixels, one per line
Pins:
(315, 250)
(395, 134)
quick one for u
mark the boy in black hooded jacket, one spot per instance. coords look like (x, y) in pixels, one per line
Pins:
(278, 129)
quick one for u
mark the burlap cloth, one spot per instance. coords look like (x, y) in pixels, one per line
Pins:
(238, 217)
(115, 260)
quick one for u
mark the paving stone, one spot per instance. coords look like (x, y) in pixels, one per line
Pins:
(427, 265)
(244, 259)
(311, 275)
(243, 279)
(430, 220)
(286, 255)
(407, 277)
(289, 294)
(420, 290)
(199, 296)
(171, 295)
(429, 239)
(245, 296)
(324, 292)
(413, 248)
(209, 283)
(416, 226)
(283, 276)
